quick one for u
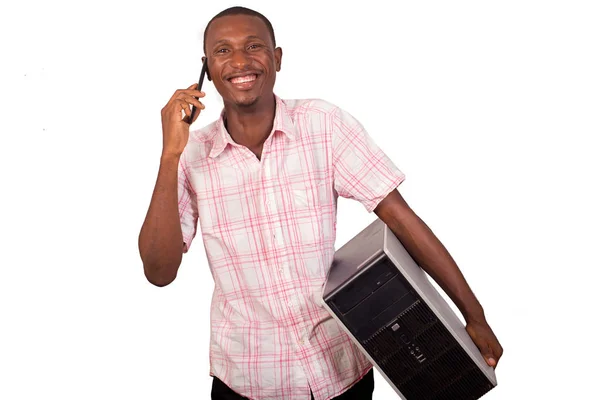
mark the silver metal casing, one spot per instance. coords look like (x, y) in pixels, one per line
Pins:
(397, 318)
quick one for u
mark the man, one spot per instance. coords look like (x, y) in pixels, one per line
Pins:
(263, 182)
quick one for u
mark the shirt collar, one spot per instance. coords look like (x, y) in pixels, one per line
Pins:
(282, 123)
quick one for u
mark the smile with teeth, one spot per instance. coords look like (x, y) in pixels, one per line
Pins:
(243, 79)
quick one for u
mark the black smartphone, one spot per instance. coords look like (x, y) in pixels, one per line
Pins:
(203, 72)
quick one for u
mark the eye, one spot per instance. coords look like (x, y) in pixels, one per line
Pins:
(254, 46)
(221, 51)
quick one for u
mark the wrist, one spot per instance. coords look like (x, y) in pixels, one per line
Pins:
(475, 316)
(167, 156)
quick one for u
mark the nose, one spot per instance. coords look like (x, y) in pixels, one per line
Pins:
(240, 60)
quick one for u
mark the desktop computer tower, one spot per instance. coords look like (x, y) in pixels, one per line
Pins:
(390, 309)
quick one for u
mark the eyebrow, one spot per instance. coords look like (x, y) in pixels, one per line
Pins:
(222, 41)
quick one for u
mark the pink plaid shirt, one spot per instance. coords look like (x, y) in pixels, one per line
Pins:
(268, 228)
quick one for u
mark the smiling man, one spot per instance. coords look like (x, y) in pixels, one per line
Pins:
(263, 182)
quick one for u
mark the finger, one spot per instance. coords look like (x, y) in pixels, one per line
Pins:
(197, 114)
(191, 101)
(487, 353)
(181, 94)
(187, 109)
(190, 90)
(194, 114)
(196, 93)
(489, 357)
(177, 93)
(195, 102)
(183, 108)
(498, 351)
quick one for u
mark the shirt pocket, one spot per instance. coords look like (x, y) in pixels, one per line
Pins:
(305, 194)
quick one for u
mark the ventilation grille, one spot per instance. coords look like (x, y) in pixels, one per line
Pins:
(423, 359)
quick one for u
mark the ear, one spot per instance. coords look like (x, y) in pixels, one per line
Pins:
(278, 55)
(205, 60)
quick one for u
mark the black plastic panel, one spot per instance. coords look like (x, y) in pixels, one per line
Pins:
(423, 359)
(370, 280)
(403, 335)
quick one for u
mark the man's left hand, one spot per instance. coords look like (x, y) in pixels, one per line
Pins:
(486, 341)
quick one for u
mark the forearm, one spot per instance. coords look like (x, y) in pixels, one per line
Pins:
(431, 255)
(161, 240)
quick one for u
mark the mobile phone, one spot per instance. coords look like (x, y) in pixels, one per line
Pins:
(203, 72)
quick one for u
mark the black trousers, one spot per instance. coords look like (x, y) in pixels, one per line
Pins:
(362, 390)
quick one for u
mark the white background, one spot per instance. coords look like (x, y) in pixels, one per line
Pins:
(490, 108)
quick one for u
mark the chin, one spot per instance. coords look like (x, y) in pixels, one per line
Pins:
(246, 101)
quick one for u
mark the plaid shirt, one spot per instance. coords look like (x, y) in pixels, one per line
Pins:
(268, 228)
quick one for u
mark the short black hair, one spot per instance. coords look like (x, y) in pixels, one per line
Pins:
(238, 10)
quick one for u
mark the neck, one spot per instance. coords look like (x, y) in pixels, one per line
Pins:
(250, 125)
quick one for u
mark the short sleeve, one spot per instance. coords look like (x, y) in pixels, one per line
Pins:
(188, 205)
(362, 171)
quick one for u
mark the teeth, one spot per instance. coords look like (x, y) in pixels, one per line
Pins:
(243, 79)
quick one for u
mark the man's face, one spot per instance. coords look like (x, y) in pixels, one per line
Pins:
(242, 60)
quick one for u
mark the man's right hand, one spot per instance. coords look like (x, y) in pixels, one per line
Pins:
(176, 130)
